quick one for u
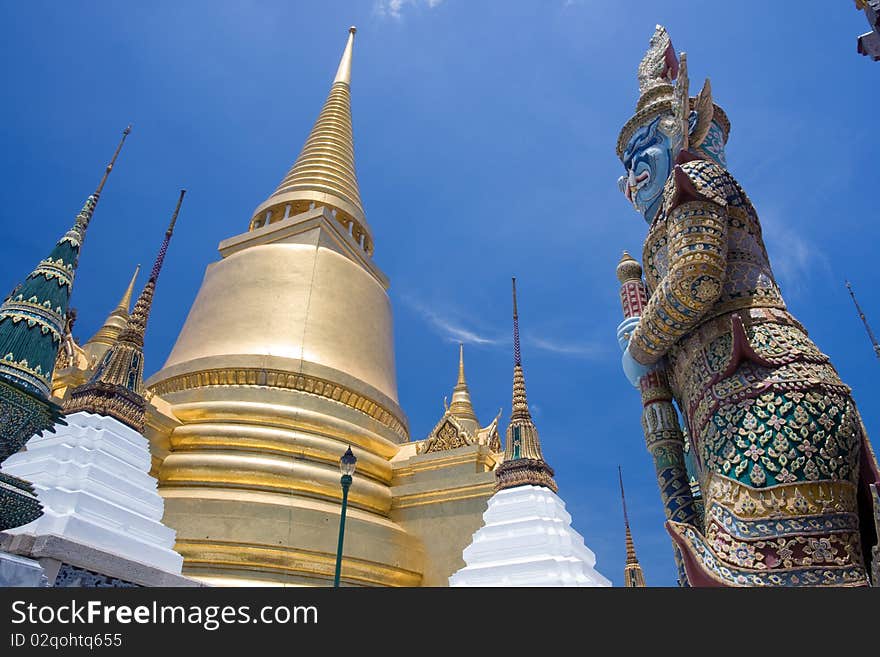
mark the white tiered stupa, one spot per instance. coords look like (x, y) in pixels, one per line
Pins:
(92, 475)
(527, 538)
(92, 478)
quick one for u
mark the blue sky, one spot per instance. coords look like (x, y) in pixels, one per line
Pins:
(485, 136)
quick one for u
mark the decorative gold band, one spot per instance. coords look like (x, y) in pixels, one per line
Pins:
(796, 499)
(242, 376)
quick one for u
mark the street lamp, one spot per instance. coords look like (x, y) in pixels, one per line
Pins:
(347, 465)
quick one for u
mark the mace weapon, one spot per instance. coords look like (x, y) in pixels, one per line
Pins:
(663, 435)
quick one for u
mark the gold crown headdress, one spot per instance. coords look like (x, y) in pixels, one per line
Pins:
(658, 70)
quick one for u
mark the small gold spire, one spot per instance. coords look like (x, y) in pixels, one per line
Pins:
(116, 388)
(632, 571)
(324, 173)
(116, 321)
(461, 406)
(524, 462)
(125, 301)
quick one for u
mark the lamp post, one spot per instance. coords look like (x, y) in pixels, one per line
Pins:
(347, 465)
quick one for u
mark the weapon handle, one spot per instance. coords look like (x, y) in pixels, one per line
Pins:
(660, 423)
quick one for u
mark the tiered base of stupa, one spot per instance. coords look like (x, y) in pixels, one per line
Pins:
(527, 540)
(102, 515)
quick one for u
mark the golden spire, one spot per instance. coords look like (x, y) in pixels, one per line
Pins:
(117, 385)
(125, 301)
(461, 405)
(115, 323)
(523, 461)
(343, 73)
(324, 173)
(632, 571)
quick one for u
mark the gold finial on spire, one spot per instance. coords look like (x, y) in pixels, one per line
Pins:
(632, 571)
(523, 460)
(343, 73)
(116, 388)
(461, 380)
(324, 173)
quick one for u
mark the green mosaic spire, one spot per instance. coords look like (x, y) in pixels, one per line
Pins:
(32, 317)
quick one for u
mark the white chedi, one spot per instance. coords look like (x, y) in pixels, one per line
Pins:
(527, 540)
(92, 478)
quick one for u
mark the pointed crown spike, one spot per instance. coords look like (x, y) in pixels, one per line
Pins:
(658, 72)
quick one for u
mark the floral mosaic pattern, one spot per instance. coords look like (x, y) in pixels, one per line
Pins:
(780, 438)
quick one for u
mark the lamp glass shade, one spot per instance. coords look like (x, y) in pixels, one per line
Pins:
(348, 462)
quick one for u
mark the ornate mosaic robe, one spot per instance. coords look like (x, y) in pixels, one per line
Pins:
(782, 458)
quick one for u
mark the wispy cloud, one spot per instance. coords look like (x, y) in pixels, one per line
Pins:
(795, 259)
(578, 349)
(393, 8)
(452, 327)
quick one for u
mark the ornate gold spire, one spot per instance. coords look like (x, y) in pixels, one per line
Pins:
(115, 323)
(461, 405)
(459, 425)
(116, 387)
(632, 571)
(523, 461)
(324, 173)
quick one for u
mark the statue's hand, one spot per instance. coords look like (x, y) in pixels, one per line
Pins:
(633, 369)
(625, 330)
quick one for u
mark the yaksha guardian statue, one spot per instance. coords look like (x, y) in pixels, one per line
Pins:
(781, 455)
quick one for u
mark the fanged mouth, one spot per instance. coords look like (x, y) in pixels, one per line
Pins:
(635, 183)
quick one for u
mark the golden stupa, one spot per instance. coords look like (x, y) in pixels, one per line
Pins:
(285, 360)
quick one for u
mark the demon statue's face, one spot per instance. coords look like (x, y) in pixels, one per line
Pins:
(648, 159)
